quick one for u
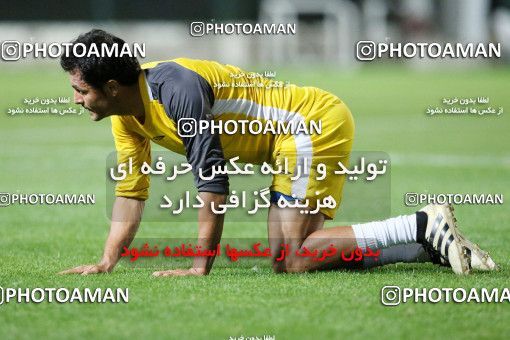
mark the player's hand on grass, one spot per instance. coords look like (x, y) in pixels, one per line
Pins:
(88, 269)
(182, 272)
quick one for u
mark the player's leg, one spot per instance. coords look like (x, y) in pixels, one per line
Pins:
(299, 231)
(434, 227)
(306, 232)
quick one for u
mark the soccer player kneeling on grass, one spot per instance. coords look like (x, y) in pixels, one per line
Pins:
(146, 103)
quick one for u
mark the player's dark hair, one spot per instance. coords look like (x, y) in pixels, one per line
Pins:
(96, 71)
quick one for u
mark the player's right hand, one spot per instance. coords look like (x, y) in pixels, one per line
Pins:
(87, 269)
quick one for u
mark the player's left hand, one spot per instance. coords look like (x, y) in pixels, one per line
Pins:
(181, 272)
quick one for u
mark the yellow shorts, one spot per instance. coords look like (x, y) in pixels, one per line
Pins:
(333, 145)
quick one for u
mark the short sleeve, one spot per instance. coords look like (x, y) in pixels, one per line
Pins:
(130, 144)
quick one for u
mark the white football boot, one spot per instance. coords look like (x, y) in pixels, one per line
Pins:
(442, 241)
(477, 258)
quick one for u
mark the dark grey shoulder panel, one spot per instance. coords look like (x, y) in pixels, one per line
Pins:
(187, 95)
(180, 80)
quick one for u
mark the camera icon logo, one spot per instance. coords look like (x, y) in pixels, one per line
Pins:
(5, 199)
(197, 29)
(11, 50)
(187, 127)
(390, 295)
(411, 199)
(365, 50)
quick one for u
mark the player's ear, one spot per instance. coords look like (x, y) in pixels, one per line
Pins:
(111, 88)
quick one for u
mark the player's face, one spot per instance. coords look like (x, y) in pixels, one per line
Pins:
(91, 98)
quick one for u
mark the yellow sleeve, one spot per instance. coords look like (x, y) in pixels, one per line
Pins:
(130, 144)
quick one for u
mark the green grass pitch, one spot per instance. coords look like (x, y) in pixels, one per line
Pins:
(462, 154)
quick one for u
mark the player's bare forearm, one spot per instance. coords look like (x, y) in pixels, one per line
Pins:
(210, 227)
(126, 216)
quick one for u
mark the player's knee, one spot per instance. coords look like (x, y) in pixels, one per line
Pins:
(296, 265)
(279, 270)
(279, 267)
(289, 265)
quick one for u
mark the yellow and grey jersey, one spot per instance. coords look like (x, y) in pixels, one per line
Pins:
(206, 90)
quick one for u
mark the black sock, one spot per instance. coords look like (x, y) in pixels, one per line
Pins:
(421, 226)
